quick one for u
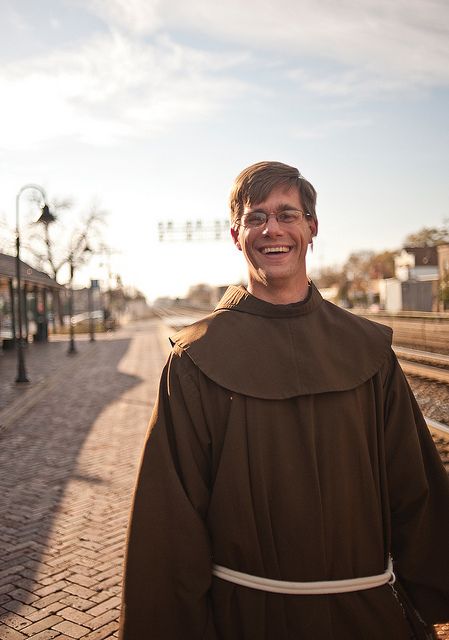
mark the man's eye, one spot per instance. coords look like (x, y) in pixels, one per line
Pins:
(287, 216)
(256, 218)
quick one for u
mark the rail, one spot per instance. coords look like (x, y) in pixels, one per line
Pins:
(438, 428)
(418, 354)
(425, 371)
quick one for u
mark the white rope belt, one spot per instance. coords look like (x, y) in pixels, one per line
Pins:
(304, 588)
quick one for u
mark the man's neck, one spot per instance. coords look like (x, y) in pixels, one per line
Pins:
(279, 295)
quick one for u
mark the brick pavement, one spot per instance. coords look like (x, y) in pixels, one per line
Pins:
(68, 467)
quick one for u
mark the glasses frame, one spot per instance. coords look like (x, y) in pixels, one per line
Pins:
(304, 216)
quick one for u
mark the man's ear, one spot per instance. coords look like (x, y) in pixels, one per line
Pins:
(313, 228)
(235, 236)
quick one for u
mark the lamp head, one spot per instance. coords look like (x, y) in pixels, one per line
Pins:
(46, 216)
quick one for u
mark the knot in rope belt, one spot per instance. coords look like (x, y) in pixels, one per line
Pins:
(304, 588)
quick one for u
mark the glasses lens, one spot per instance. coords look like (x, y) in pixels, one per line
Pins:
(255, 219)
(290, 216)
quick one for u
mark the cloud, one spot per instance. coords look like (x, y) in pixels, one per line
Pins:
(136, 16)
(405, 41)
(112, 87)
(135, 79)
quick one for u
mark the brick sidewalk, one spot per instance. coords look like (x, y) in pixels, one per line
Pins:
(68, 468)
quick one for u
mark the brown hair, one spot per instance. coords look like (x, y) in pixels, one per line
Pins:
(255, 183)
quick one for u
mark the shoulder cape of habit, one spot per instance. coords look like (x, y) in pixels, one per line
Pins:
(272, 351)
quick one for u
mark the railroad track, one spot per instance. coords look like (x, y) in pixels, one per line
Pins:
(425, 371)
(428, 356)
(425, 364)
(428, 374)
(438, 429)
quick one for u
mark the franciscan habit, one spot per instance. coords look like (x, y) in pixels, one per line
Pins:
(285, 443)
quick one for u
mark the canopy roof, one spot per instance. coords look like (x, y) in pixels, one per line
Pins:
(27, 273)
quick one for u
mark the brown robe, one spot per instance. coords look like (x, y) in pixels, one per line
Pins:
(285, 443)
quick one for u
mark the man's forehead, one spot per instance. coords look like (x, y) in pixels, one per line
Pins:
(277, 197)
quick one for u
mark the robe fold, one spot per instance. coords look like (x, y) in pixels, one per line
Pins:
(285, 443)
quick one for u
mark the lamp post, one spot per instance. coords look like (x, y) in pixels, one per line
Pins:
(72, 349)
(21, 370)
(86, 249)
(46, 218)
(90, 304)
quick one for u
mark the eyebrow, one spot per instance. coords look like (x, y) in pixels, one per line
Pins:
(281, 207)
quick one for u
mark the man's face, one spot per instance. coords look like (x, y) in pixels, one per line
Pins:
(275, 253)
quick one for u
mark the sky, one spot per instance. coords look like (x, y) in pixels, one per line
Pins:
(150, 109)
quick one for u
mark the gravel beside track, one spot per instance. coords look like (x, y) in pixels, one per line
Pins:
(432, 397)
(443, 449)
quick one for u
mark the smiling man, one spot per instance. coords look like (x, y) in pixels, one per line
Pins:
(273, 228)
(289, 477)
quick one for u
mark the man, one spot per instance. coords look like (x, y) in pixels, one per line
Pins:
(287, 461)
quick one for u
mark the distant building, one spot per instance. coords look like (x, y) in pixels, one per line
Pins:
(443, 268)
(201, 295)
(416, 283)
(40, 295)
(84, 301)
(390, 295)
(417, 263)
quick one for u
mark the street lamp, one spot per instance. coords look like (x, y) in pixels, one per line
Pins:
(90, 306)
(72, 348)
(46, 219)
(21, 370)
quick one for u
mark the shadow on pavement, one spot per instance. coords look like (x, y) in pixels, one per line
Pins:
(42, 361)
(39, 456)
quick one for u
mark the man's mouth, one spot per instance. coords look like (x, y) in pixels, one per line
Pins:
(281, 249)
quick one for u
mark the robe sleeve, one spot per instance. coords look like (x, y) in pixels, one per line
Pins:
(419, 502)
(168, 560)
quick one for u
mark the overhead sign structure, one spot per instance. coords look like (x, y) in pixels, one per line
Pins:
(193, 231)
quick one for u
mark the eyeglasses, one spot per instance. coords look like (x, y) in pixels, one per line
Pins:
(260, 218)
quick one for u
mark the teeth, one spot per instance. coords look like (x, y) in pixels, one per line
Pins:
(275, 250)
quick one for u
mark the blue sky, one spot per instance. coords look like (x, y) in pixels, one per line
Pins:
(152, 108)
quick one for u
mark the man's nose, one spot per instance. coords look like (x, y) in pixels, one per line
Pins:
(272, 226)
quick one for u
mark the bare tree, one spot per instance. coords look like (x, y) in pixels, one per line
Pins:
(428, 236)
(54, 244)
(64, 239)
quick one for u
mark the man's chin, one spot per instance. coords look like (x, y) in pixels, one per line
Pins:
(272, 278)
